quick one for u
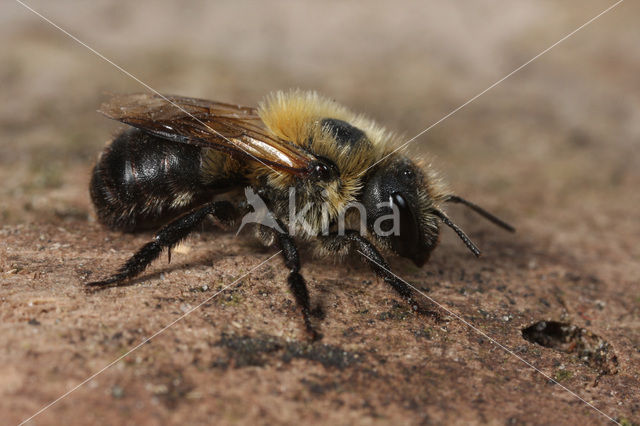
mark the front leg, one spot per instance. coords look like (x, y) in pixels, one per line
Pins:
(167, 237)
(352, 240)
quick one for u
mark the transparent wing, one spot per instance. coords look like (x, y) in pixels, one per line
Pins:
(234, 129)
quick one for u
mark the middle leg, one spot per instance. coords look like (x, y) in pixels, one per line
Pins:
(297, 284)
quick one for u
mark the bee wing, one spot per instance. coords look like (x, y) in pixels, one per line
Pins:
(234, 129)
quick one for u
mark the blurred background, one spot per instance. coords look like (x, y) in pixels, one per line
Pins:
(552, 149)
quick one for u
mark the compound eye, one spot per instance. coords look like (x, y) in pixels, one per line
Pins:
(407, 243)
(408, 175)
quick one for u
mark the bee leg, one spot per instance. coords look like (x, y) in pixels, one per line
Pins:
(296, 282)
(167, 237)
(354, 241)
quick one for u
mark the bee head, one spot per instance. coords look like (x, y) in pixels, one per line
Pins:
(403, 210)
(400, 210)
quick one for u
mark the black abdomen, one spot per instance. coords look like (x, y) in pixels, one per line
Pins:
(142, 181)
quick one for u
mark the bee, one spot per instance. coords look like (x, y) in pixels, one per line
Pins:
(185, 159)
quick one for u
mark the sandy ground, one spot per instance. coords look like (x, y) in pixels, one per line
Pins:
(553, 149)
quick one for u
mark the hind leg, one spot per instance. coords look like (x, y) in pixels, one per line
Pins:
(167, 237)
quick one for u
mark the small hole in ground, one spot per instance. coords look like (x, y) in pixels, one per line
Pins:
(564, 337)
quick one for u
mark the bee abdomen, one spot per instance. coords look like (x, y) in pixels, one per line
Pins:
(142, 181)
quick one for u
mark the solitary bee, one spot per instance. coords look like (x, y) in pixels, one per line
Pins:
(185, 159)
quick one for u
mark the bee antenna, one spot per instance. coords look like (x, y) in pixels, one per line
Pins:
(482, 212)
(466, 240)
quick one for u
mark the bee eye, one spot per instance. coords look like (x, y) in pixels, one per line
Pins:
(408, 177)
(407, 243)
